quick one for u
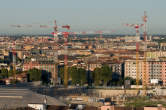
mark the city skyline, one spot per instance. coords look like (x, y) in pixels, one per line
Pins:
(82, 15)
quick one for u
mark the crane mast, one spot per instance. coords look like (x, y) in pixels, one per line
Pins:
(136, 27)
(145, 49)
(137, 64)
(65, 35)
(55, 34)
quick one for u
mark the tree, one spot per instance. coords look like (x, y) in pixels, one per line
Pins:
(120, 81)
(103, 74)
(61, 73)
(10, 73)
(106, 74)
(132, 81)
(4, 73)
(4, 70)
(82, 76)
(96, 76)
(76, 75)
(45, 77)
(35, 74)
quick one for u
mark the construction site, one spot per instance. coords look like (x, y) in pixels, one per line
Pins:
(84, 69)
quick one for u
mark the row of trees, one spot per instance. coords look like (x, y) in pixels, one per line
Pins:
(102, 76)
(38, 75)
(4, 73)
(99, 77)
(33, 75)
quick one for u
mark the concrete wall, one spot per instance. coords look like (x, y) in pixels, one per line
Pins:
(154, 108)
(110, 93)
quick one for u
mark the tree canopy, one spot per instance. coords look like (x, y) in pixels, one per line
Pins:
(101, 76)
(76, 75)
(4, 73)
(35, 74)
(39, 75)
(132, 80)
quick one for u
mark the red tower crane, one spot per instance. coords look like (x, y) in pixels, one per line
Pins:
(65, 35)
(100, 33)
(55, 34)
(100, 36)
(136, 27)
(144, 18)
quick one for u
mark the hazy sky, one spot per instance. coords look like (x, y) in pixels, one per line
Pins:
(82, 15)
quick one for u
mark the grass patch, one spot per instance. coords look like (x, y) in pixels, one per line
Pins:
(142, 102)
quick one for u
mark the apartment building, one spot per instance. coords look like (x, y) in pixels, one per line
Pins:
(155, 70)
(42, 65)
(117, 68)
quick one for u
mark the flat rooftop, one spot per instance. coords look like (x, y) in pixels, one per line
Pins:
(13, 98)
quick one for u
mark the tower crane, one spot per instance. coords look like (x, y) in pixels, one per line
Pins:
(144, 82)
(144, 18)
(55, 34)
(100, 33)
(65, 35)
(21, 25)
(136, 27)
